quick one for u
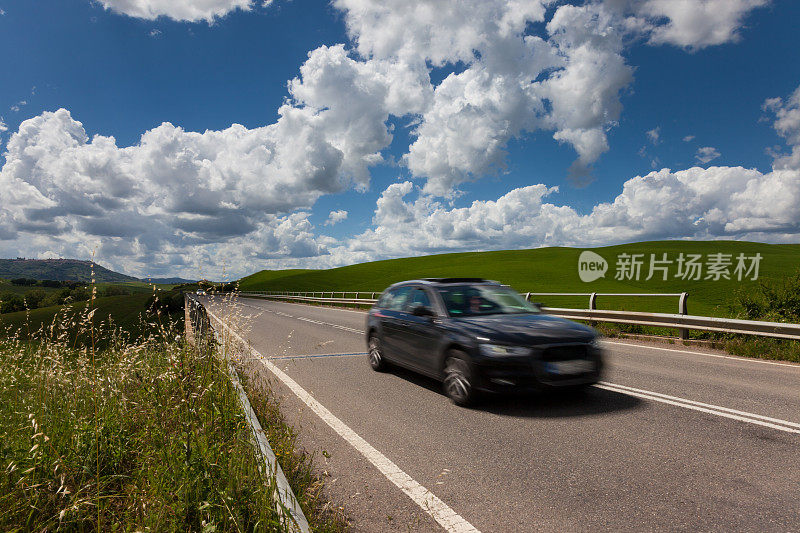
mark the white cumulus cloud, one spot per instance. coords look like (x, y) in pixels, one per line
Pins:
(180, 10)
(717, 202)
(706, 154)
(713, 202)
(504, 80)
(566, 80)
(335, 217)
(693, 24)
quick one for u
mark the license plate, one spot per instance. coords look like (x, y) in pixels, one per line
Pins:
(577, 366)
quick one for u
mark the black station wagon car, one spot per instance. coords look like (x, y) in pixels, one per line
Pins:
(477, 335)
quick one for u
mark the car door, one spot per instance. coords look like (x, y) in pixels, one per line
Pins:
(392, 320)
(421, 334)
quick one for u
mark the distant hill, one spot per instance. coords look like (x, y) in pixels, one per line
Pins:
(548, 270)
(59, 269)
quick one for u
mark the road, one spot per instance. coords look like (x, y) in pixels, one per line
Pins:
(675, 438)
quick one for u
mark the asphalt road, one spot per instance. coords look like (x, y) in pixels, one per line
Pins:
(676, 439)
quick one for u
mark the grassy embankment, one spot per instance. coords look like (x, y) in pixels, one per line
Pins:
(556, 270)
(125, 311)
(146, 433)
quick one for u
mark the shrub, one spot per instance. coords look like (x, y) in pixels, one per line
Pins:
(10, 303)
(25, 282)
(775, 301)
(230, 286)
(34, 298)
(115, 290)
(169, 302)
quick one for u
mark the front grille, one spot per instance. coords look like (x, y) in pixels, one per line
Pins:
(565, 353)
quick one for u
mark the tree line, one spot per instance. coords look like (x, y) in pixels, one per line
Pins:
(70, 292)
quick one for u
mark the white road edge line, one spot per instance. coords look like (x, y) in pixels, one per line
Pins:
(725, 412)
(427, 501)
(703, 408)
(305, 304)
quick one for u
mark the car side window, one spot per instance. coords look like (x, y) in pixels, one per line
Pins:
(396, 298)
(384, 298)
(417, 297)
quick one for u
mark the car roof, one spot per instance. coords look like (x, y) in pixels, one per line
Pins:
(445, 281)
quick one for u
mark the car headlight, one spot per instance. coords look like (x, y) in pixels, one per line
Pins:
(595, 343)
(498, 350)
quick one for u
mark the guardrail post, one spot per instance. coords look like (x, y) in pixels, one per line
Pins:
(683, 310)
(593, 306)
(527, 297)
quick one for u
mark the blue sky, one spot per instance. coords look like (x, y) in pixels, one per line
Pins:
(441, 129)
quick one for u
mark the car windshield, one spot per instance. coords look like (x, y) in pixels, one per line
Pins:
(477, 300)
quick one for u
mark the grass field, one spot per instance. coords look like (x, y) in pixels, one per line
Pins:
(553, 270)
(133, 286)
(7, 287)
(124, 310)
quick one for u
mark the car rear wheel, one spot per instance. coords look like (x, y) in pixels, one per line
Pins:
(376, 360)
(458, 381)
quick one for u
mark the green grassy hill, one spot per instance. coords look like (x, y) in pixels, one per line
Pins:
(269, 277)
(553, 270)
(58, 269)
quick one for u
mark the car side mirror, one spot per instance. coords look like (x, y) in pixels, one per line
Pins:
(422, 310)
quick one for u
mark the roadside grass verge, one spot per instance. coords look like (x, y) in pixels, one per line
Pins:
(774, 300)
(230, 326)
(741, 345)
(297, 463)
(144, 436)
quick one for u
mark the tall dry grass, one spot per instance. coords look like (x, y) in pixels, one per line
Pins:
(143, 434)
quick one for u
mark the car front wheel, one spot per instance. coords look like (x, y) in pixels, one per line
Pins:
(458, 381)
(376, 360)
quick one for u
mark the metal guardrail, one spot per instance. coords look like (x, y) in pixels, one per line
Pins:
(681, 321)
(342, 298)
(202, 333)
